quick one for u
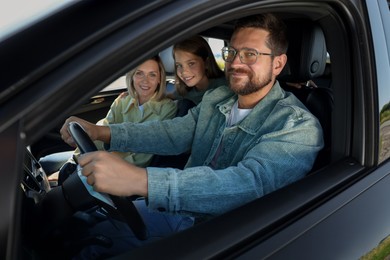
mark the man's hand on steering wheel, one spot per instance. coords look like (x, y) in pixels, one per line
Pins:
(109, 174)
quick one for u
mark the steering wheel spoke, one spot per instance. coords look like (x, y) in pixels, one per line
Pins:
(34, 182)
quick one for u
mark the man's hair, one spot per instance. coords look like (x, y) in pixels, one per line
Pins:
(277, 39)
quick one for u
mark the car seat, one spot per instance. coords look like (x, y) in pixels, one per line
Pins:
(307, 60)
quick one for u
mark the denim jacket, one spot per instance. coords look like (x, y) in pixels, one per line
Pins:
(275, 145)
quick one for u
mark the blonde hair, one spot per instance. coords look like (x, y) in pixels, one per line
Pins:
(198, 46)
(161, 88)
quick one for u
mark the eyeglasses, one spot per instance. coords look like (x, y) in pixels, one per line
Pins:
(247, 56)
(142, 75)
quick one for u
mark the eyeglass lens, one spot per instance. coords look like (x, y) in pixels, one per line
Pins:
(247, 56)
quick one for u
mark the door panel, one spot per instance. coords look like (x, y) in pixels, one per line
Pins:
(349, 226)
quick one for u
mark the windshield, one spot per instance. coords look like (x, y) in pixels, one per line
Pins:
(16, 14)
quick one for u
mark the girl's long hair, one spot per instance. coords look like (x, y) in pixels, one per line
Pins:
(198, 46)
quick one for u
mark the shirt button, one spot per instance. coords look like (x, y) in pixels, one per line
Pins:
(161, 209)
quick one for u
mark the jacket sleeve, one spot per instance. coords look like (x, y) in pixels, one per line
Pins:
(174, 135)
(272, 162)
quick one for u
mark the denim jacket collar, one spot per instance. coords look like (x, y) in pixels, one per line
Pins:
(250, 124)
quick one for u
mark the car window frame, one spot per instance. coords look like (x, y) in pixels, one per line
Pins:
(353, 166)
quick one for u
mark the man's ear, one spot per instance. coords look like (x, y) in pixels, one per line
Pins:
(279, 63)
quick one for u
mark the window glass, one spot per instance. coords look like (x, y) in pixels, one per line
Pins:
(383, 44)
(120, 83)
(216, 46)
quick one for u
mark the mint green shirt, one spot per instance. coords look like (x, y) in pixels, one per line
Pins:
(126, 109)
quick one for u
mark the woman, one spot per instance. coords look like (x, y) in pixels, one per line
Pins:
(145, 101)
(196, 71)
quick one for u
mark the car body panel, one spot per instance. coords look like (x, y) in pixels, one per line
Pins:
(338, 212)
(343, 227)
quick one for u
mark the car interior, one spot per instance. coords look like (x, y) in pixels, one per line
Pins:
(309, 60)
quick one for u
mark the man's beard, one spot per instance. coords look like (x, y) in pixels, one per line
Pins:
(251, 86)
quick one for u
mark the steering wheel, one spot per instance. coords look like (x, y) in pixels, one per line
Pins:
(77, 194)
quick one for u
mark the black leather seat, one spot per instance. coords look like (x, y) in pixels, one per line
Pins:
(307, 57)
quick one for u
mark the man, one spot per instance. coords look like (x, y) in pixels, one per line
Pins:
(246, 140)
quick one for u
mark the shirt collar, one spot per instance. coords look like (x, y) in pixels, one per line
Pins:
(259, 113)
(133, 102)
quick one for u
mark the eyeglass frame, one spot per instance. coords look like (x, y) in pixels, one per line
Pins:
(226, 48)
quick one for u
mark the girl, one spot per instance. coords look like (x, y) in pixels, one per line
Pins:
(196, 71)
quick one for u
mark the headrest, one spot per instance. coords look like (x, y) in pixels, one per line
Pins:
(306, 54)
(167, 59)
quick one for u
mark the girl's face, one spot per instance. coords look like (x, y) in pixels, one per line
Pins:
(189, 68)
(146, 79)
